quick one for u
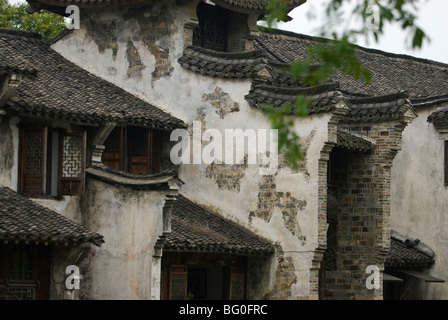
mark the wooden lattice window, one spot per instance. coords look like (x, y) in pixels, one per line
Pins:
(211, 32)
(24, 272)
(52, 161)
(33, 165)
(72, 155)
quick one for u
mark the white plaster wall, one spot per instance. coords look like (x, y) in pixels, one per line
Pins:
(68, 206)
(419, 199)
(131, 222)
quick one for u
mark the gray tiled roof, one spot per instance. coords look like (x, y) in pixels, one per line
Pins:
(379, 108)
(195, 228)
(10, 64)
(62, 90)
(391, 73)
(353, 141)
(24, 220)
(401, 255)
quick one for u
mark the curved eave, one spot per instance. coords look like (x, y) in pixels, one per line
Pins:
(24, 109)
(164, 180)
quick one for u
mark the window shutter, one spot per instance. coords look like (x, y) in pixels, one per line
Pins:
(72, 155)
(178, 282)
(156, 151)
(139, 150)
(33, 142)
(113, 155)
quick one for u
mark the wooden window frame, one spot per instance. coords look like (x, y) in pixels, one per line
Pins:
(218, 18)
(40, 282)
(40, 188)
(71, 185)
(126, 160)
(138, 163)
(29, 183)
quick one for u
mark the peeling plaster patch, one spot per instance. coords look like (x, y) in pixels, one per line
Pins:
(226, 176)
(136, 66)
(305, 143)
(285, 278)
(222, 102)
(154, 21)
(269, 198)
(163, 66)
(104, 35)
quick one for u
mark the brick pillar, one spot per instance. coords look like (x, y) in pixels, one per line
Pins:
(363, 218)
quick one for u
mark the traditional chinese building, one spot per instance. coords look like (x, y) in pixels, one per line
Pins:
(86, 124)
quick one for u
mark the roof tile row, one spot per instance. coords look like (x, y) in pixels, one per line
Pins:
(196, 228)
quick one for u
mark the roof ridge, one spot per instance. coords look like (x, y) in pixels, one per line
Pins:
(429, 101)
(26, 35)
(401, 95)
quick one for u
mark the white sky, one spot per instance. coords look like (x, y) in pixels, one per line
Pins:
(433, 19)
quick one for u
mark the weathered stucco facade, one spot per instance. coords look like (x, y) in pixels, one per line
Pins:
(139, 48)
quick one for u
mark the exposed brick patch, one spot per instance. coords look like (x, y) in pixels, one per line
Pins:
(269, 199)
(222, 102)
(136, 66)
(285, 277)
(226, 176)
(103, 34)
(163, 67)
